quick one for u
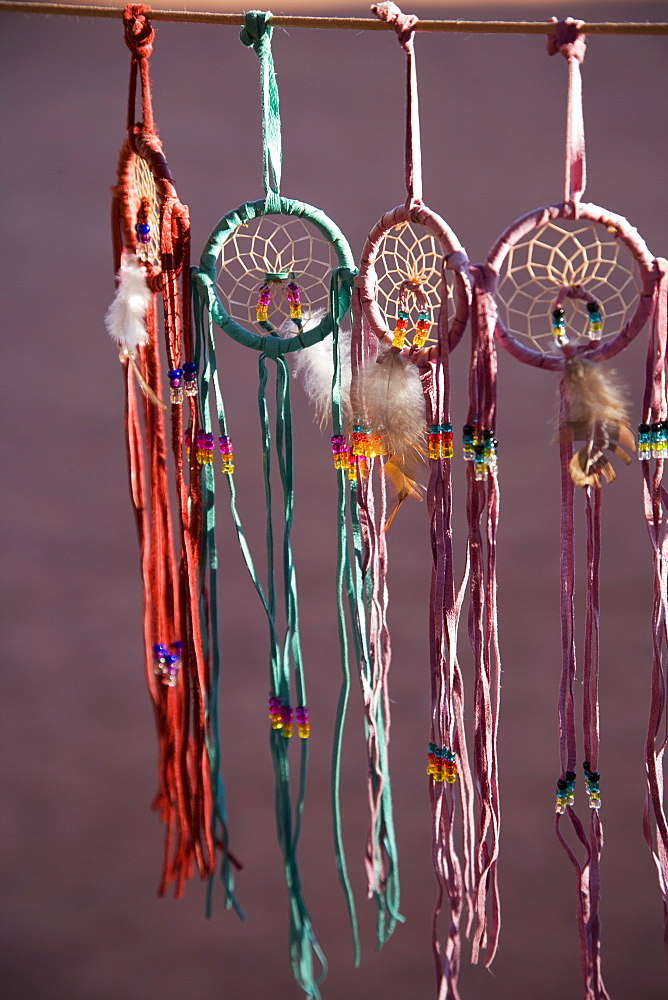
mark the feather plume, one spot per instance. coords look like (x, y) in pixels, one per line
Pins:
(314, 367)
(596, 413)
(126, 317)
(389, 393)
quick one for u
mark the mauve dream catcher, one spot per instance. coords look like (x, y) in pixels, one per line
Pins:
(565, 288)
(574, 284)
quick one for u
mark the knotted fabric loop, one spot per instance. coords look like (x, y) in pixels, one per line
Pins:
(139, 35)
(404, 25)
(256, 34)
(571, 43)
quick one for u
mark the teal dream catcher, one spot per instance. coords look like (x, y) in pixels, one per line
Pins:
(276, 276)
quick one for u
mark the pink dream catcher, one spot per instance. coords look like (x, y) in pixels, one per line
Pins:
(564, 288)
(400, 388)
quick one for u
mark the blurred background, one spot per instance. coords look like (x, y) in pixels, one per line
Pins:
(81, 848)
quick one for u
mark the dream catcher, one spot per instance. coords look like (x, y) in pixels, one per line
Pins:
(410, 308)
(574, 285)
(151, 237)
(275, 276)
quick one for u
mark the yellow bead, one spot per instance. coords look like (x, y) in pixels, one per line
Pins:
(287, 731)
(451, 778)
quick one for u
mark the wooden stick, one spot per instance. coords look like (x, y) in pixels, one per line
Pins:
(350, 23)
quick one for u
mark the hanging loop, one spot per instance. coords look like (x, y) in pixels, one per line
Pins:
(571, 43)
(404, 25)
(139, 36)
(256, 33)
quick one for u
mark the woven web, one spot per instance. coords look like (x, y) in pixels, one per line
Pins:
(566, 253)
(267, 246)
(410, 253)
(144, 186)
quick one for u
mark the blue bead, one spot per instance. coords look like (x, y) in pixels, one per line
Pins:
(175, 373)
(143, 227)
(190, 366)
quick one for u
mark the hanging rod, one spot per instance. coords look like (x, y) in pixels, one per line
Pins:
(351, 23)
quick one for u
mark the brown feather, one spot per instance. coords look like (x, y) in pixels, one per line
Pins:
(596, 413)
(404, 487)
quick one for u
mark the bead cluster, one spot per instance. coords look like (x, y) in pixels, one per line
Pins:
(479, 446)
(653, 440)
(366, 443)
(559, 326)
(143, 231)
(340, 452)
(401, 328)
(280, 716)
(294, 300)
(182, 382)
(595, 321)
(166, 665)
(263, 300)
(440, 441)
(565, 792)
(204, 446)
(442, 765)
(592, 779)
(226, 453)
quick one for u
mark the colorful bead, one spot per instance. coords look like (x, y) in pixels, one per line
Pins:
(286, 722)
(188, 440)
(595, 321)
(440, 441)
(422, 330)
(175, 387)
(559, 327)
(469, 441)
(190, 378)
(592, 779)
(262, 307)
(293, 297)
(166, 665)
(275, 712)
(143, 231)
(565, 792)
(303, 727)
(644, 442)
(227, 454)
(204, 442)
(340, 451)
(441, 764)
(659, 439)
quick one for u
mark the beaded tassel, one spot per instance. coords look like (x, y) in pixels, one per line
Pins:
(360, 438)
(469, 440)
(190, 378)
(263, 300)
(204, 443)
(659, 439)
(422, 330)
(294, 300)
(227, 454)
(275, 712)
(592, 779)
(479, 447)
(440, 441)
(559, 326)
(340, 452)
(286, 721)
(644, 442)
(400, 329)
(175, 386)
(595, 321)
(188, 440)
(303, 727)
(166, 665)
(442, 765)
(565, 792)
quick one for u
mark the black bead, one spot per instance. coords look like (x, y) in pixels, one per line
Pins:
(571, 775)
(593, 307)
(558, 314)
(643, 428)
(562, 785)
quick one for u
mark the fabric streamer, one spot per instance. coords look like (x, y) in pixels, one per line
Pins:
(231, 293)
(151, 238)
(572, 294)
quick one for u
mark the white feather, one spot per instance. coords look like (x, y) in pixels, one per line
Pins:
(126, 317)
(389, 393)
(314, 367)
